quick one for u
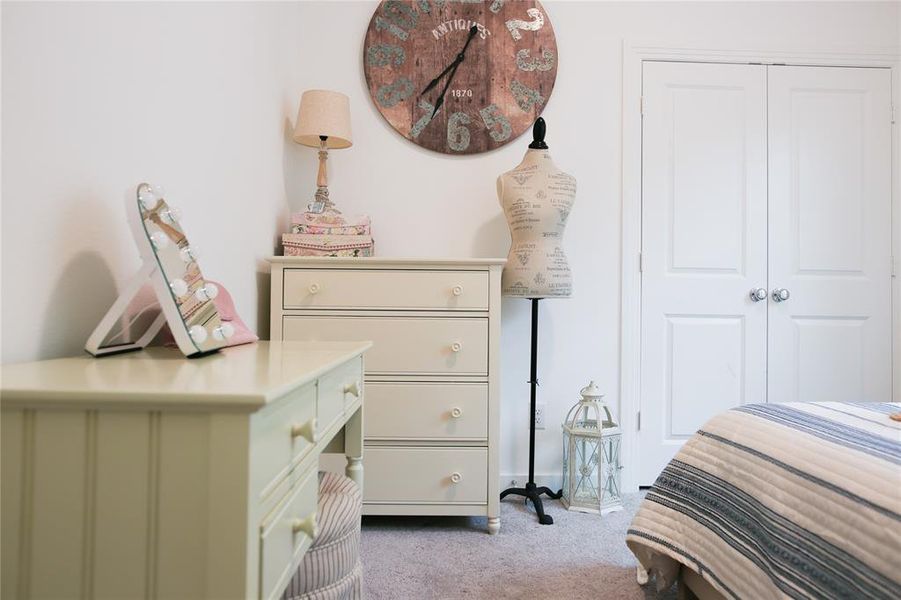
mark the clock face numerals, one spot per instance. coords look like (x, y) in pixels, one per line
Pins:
(460, 76)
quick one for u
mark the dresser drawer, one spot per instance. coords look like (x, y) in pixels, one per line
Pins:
(411, 345)
(385, 289)
(280, 433)
(439, 475)
(337, 390)
(426, 411)
(286, 535)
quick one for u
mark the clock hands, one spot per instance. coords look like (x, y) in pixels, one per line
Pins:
(452, 69)
(440, 101)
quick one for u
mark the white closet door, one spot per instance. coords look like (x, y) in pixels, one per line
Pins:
(703, 340)
(830, 234)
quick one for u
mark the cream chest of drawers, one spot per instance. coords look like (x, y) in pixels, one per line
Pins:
(432, 384)
(149, 475)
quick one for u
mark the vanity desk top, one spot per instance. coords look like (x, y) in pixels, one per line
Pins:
(242, 378)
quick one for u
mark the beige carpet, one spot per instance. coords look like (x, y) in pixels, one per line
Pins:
(580, 556)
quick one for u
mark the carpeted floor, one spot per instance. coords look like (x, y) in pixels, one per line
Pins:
(580, 556)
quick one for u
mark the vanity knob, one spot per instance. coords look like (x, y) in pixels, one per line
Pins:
(308, 526)
(456, 478)
(307, 431)
(314, 288)
(457, 290)
(353, 389)
(456, 346)
(456, 412)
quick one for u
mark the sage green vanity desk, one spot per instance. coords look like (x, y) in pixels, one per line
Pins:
(149, 475)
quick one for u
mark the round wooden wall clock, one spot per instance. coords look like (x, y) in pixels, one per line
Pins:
(460, 76)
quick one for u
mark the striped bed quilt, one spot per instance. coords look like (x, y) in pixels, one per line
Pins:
(781, 501)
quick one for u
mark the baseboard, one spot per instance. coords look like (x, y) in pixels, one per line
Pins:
(551, 480)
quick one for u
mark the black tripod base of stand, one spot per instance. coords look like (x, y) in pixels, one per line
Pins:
(533, 492)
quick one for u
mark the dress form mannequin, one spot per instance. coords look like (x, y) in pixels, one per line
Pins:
(536, 197)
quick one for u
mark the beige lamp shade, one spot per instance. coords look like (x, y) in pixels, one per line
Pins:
(323, 113)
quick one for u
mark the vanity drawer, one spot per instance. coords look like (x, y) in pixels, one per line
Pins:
(407, 345)
(438, 475)
(337, 390)
(426, 411)
(286, 535)
(280, 433)
(384, 289)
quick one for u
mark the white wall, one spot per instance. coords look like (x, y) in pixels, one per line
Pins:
(98, 97)
(428, 204)
(84, 117)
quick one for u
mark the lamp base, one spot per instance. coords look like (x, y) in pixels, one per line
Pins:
(533, 492)
(321, 202)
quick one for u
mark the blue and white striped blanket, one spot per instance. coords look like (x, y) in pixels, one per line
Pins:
(782, 501)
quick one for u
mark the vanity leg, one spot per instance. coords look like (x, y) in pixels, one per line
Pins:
(353, 447)
(494, 525)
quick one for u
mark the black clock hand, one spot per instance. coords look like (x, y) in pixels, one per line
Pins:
(472, 33)
(435, 81)
(440, 100)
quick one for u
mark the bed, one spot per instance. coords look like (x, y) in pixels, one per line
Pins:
(779, 501)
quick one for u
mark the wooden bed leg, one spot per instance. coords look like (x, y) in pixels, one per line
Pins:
(641, 575)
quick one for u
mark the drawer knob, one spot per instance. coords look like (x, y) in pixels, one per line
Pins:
(309, 526)
(456, 346)
(353, 389)
(314, 288)
(457, 290)
(456, 478)
(457, 412)
(307, 431)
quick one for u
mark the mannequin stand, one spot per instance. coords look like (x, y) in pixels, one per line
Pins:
(531, 491)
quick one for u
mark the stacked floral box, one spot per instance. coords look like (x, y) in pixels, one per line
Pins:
(328, 234)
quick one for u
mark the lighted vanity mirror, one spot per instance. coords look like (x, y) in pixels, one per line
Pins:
(169, 287)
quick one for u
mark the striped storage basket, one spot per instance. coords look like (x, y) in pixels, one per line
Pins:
(331, 568)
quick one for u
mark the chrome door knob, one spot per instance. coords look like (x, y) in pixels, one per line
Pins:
(758, 294)
(781, 294)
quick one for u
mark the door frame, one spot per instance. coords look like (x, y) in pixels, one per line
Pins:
(634, 55)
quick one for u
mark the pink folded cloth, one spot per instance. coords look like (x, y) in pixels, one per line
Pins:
(227, 312)
(225, 306)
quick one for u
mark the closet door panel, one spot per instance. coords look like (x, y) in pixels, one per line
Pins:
(703, 346)
(829, 234)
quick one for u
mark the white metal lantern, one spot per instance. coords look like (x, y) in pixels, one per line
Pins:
(591, 462)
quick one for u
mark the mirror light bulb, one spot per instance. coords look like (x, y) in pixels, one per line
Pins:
(178, 287)
(171, 215)
(159, 240)
(207, 292)
(149, 195)
(189, 254)
(224, 331)
(198, 334)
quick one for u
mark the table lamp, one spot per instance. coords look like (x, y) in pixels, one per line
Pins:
(323, 122)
